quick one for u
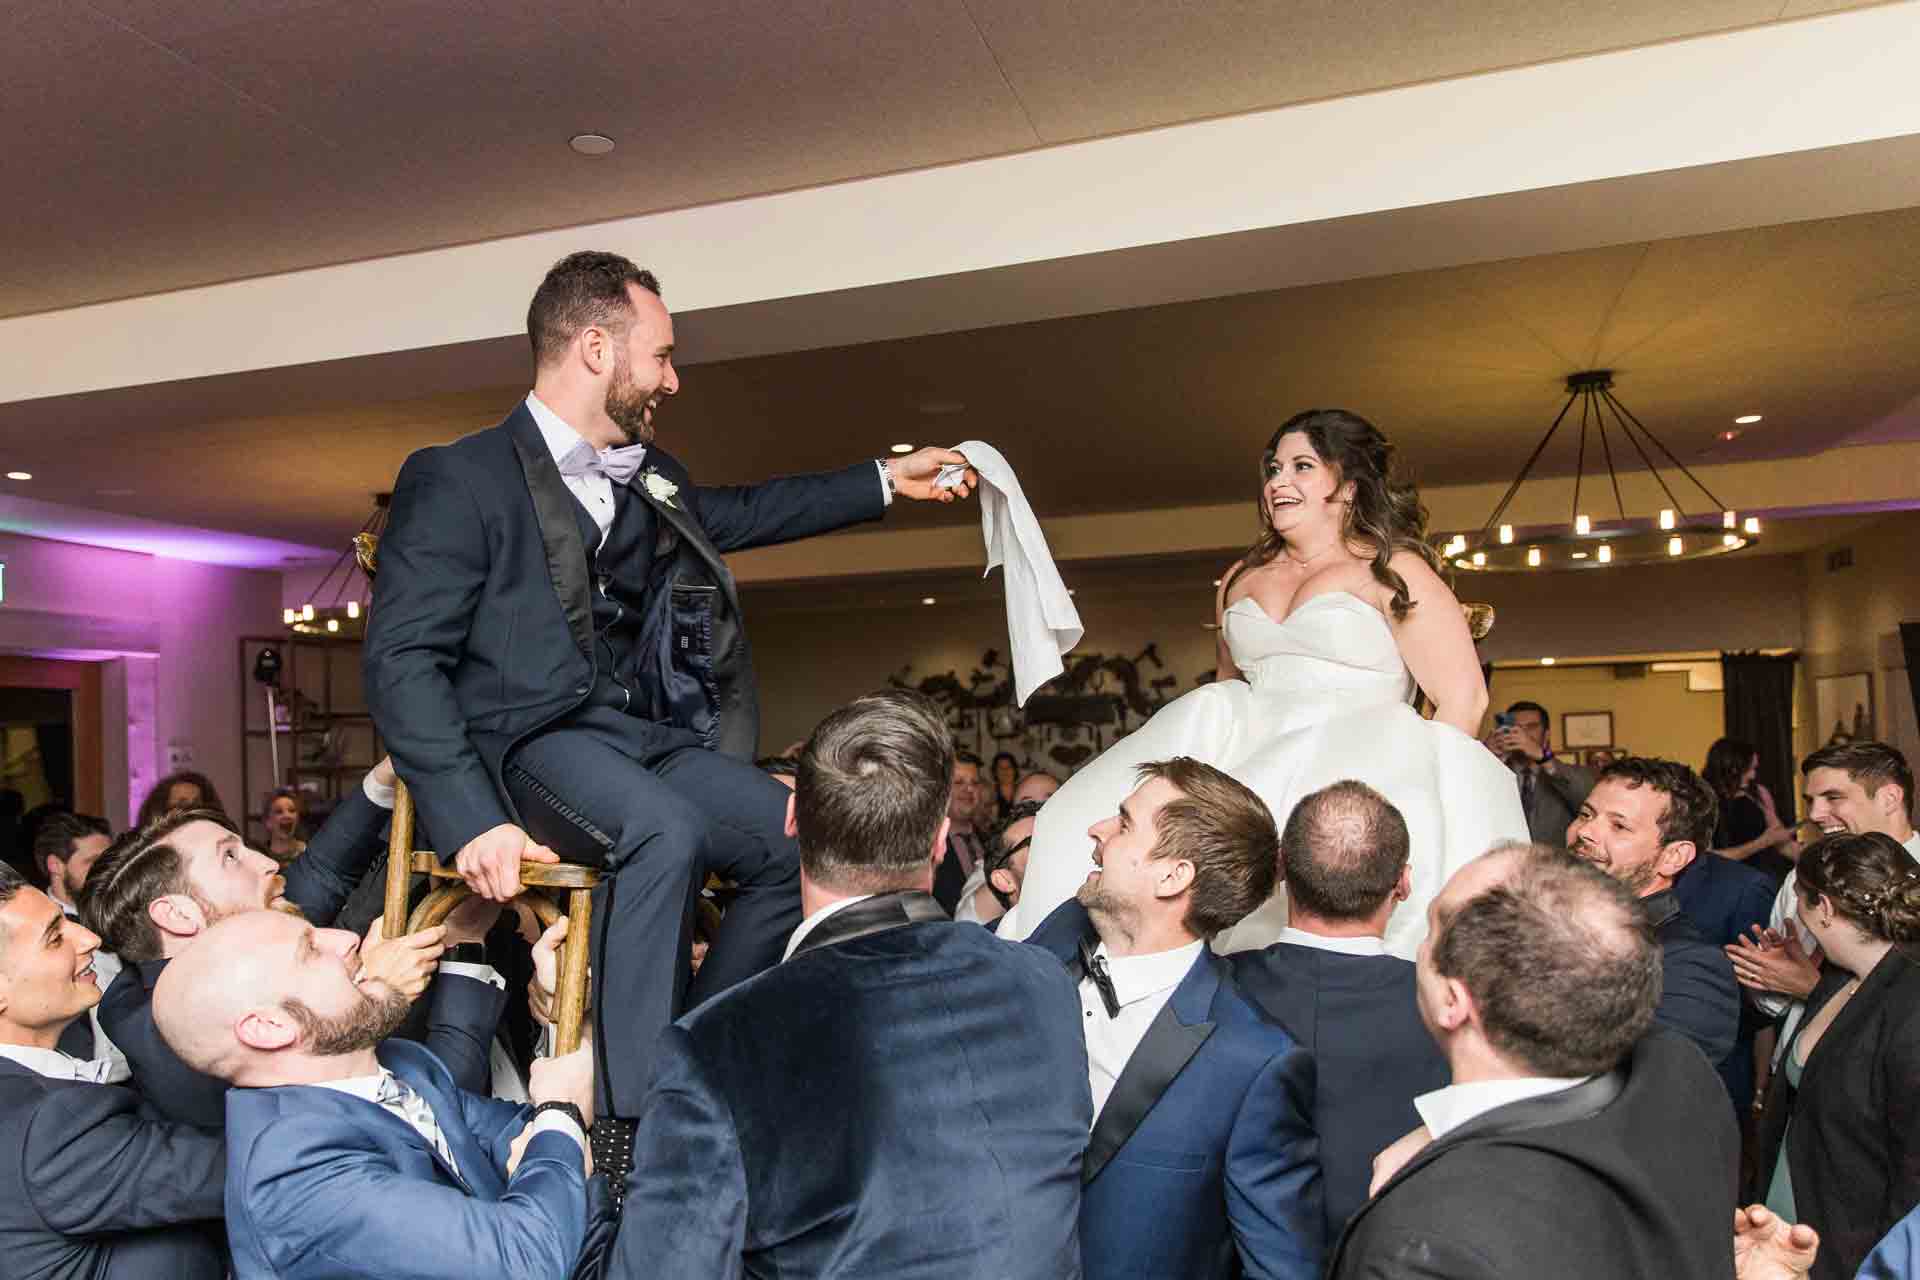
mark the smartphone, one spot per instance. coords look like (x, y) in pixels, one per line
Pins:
(1502, 720)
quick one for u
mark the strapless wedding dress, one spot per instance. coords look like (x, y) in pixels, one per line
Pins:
(1325, 697)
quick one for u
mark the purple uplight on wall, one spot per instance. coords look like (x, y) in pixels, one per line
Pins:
(62, 523)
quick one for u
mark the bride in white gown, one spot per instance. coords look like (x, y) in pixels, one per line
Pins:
(1326, 627)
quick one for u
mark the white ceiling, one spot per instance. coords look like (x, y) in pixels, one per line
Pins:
(157, 144)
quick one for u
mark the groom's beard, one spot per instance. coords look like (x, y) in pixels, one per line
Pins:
(377, 1016)
(1112, 917)
(630, 408)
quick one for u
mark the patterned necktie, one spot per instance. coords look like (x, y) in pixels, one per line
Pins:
(617, 465)
(99, 1070)
(1095, 967)
(402, 1101)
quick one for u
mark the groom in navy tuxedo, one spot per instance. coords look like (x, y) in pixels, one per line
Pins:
(557, 659)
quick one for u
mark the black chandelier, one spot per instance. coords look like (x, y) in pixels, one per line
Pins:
(343, 614)
(1589, 542)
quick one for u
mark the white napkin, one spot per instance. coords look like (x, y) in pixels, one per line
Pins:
(1042, 623)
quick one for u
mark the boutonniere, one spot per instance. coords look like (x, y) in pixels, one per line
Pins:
(659, 488)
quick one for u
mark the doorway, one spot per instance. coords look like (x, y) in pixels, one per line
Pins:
(50, 749)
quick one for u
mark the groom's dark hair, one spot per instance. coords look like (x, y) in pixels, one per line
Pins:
(582, 289)
(870, 792)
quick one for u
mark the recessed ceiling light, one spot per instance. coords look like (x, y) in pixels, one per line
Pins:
(926, 599)
(1747, 419)
(903, 448)
(19, 475)
(591, 144)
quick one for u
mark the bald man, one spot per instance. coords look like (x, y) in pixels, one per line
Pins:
(350, 1154)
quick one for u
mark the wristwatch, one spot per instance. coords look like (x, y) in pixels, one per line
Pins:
(465, 953)
(566, 1109)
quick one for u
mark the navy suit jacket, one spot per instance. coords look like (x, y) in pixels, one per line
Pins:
(1725, 899)
(1360, 1019)
(92, 1188)
(1205, 1150)
(905, 1098)
(1699, 997)
(482, 629)
(324, 1186)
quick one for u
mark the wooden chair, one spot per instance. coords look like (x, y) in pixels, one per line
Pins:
(552, 888)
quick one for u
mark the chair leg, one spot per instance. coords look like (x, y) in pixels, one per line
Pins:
(573, 971)
(399, 862)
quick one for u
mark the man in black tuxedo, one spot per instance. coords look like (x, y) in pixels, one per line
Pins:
(1330, 982)
(1575, 1141)
(1644, 822)
(91, 1186)
(903, 1096)
(557, 658)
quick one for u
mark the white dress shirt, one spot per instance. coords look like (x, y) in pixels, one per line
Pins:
(55, 1065)
(1445, 1110)
(1142, 985)
(812, 922)
(593, 488)
(1367, 946)
(420, 1118)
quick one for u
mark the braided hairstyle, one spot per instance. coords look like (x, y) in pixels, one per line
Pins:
(1872, 882)
(1386, 515)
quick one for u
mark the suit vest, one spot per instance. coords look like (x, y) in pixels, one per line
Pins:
(621, 573)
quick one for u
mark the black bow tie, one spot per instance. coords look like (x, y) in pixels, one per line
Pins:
(1096, 968)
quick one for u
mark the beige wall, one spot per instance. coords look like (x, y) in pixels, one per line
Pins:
(812, 661)
(1852, 619)
(1653, 715)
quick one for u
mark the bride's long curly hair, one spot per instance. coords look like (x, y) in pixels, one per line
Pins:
(1385, 515)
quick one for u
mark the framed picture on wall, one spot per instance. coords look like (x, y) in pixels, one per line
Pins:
(1843, 707)
(1582, 729)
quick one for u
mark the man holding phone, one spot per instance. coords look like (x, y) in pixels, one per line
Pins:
(1551, 790)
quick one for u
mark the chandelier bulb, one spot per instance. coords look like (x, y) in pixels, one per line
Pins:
(1605, 555)
(306, 612)
(1753, 524)
(353, 608)
(1666, 518)
(1729, 539)
(1729, 520)
(1479, 559)
(287, 616)
(1675, 546)
(333, 624)
(1506, 534)
(1582, 525)
(1533, 557)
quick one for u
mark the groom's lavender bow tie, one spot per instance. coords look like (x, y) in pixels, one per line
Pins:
(617, 465)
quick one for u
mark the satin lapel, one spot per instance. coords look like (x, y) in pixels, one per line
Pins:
(1165, 1051)
(553, 508)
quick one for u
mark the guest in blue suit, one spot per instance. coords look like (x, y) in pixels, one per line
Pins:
(1727, 900)
(1330, 982)
(154, 890)
(92, 1187)
(903, 1097)
(1203, 1162)
(347, 1156)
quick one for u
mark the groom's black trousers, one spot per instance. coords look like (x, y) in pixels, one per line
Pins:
(660, 813)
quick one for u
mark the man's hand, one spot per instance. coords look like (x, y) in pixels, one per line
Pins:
(490, 864)
(913, 475)
(518, 1148)
(566, 1078)
(404, 963)
(472, 920)
(546, 971)
(1769, 962)
(1395, 1157)
(1766, 1247)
